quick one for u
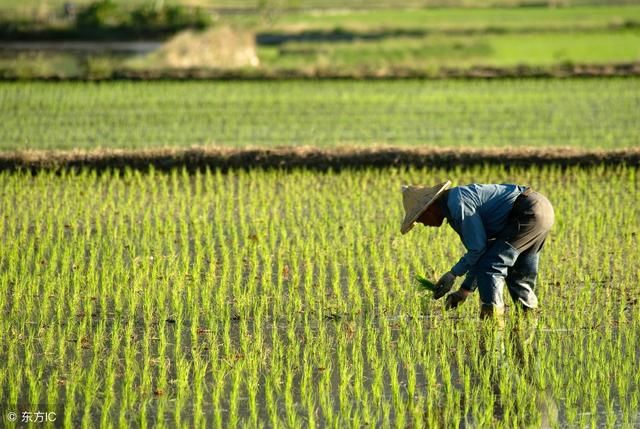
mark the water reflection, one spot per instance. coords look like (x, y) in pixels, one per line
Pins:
(509, 344)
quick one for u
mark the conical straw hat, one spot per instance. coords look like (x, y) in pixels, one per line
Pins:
(416, 199)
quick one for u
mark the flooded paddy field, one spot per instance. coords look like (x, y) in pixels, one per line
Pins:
(288, 299)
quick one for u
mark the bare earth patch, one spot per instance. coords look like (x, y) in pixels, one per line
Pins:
(220, 48)
(199, 158)
(177, 64)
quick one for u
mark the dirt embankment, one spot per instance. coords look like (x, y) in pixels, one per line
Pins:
(263, 74)
(200, 158)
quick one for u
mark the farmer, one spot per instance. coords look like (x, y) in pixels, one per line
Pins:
(503, 228)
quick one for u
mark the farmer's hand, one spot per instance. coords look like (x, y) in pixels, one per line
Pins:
(456, 298)
(444, 285)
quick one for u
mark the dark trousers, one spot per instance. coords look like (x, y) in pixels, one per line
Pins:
(513, 257)
(529, 222)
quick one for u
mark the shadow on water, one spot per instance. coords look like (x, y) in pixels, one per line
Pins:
(338, 34)
(334, 35)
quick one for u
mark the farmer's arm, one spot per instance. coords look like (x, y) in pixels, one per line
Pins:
(472, 234)
(469, 283)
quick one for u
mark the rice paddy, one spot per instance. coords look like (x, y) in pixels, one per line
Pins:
(275, 299)
(581, 113)
(196, 297)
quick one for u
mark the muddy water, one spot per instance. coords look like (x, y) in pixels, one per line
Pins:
(508, 349)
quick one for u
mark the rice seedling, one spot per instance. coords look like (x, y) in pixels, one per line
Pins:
(277, 299)
(581, 113)
(425, 283)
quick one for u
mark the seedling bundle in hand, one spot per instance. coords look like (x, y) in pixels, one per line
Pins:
(425, 284)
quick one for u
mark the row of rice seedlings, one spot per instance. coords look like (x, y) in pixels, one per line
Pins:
(286, 299)
(595, 113)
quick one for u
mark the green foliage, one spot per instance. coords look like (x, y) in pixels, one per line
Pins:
(144, 19)
(424, 283)
(101, 15)
(431, 54)
(276, 5)
(425, 42)
(169, 17)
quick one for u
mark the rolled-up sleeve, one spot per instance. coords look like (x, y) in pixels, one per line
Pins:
(472, 234)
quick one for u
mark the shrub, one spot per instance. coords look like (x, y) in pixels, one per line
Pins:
(101, 14)
(148, 18)
(169, 18)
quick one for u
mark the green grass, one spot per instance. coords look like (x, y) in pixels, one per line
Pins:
(431, 53)
(410, 14)
(437, 19)
(287, 299)
(547, 49)
(588, 113)
(455, 38)
(387, 42)
(331, 4)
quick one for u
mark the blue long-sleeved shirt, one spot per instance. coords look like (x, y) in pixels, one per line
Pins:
(478, 213)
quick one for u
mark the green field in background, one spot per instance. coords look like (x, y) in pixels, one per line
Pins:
(401, 16)
(582, 113)
(438, 19)
(432, 53)
(377, 42)
(323, 4)
(457, 38)
(271, 299)
(428, 55)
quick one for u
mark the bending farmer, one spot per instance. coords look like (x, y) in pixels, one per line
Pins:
(503, 228)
